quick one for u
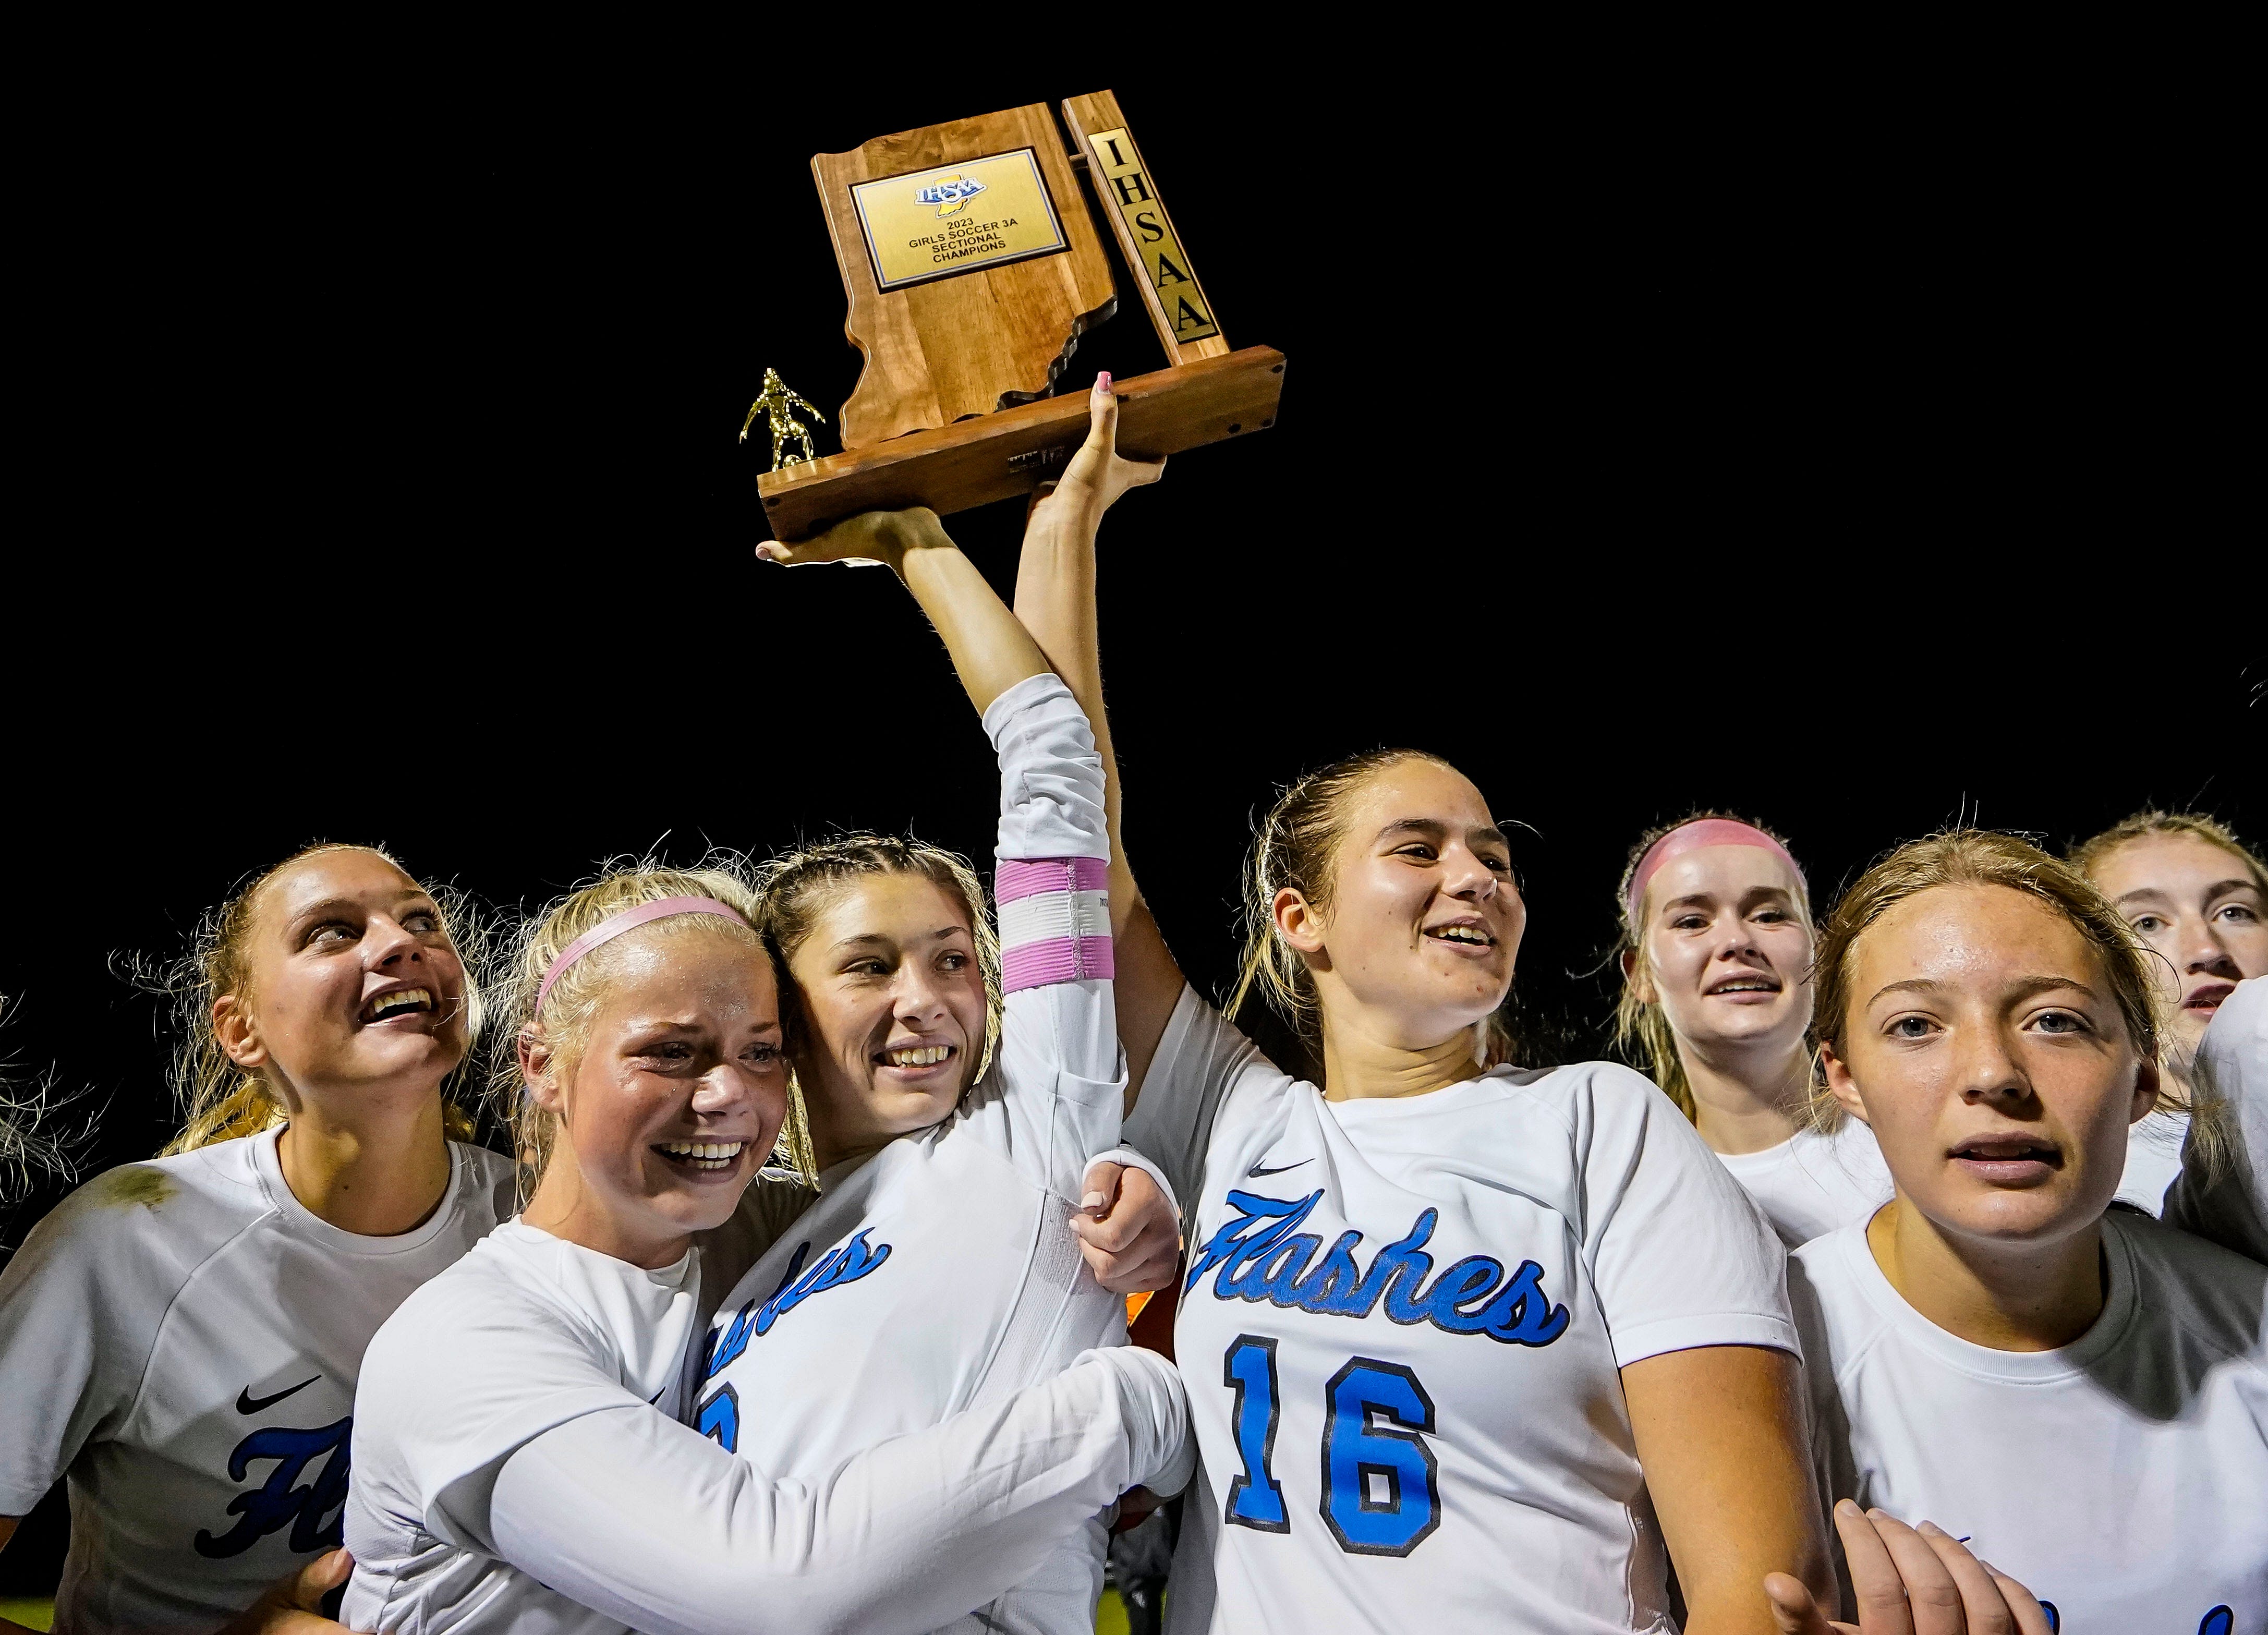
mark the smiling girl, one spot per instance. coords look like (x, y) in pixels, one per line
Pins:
(2082, 1392)
(1716, 963)
(2197, 897)
(957, 1086)
(519, 1461)
(182, 1338)
(1469, 1346)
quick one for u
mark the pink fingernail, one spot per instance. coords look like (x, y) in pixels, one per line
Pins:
(1093, 1200)
(1102, 381)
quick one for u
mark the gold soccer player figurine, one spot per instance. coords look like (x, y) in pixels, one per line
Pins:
(776, 400)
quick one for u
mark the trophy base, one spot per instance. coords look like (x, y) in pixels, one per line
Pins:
(997, 456)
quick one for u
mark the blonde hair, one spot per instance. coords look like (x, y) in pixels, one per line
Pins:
(35, 1145)
(1642, 1032)
(798, 885)
(220, 1100)
(1296, 847)
(1972, 856)
(565, 1014)
(2089, 855)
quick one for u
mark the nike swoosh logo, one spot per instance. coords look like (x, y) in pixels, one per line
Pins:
(1256, 1172)
(247, 1403)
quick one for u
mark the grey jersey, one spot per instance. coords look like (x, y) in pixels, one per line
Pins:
(183, 1340)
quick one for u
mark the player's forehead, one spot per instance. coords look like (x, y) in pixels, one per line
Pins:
(349, 878)
(1972, 937)
(898, 905)
(687, 975)
(2171, 867)
(1721, 872)
(1417, 793)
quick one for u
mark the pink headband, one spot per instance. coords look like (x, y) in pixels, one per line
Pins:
(630, 919)
(1691, 837)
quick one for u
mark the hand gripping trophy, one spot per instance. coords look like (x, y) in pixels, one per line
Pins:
(778, 401)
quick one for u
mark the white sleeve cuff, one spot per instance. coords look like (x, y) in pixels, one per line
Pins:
(1126, 1156)
(1769, 1330)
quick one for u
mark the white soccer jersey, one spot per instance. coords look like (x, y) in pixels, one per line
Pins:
(2122, 1477)
(941, 1273)
(517, 1471)
(2154, 1157)
(1811, 1184)
(1401, 1331)
(529, 1333)
(2231, 1209)
(183, 1339)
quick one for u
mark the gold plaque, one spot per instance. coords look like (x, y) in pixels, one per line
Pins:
(957, 218)
(1123, 184)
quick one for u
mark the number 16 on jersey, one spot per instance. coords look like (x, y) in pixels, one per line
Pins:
(1380, 1491)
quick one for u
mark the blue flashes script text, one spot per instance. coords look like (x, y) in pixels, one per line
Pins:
(838, 1266)
(1263, 1256)
(717, 1415)
(282, 1497)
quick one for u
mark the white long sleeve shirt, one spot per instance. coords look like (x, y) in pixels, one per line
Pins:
(519, 1469)
(898, 1417)
(940, 1274)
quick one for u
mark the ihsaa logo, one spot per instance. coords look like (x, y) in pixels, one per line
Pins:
(951, 194)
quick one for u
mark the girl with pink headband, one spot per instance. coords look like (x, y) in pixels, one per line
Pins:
(1716, 1005)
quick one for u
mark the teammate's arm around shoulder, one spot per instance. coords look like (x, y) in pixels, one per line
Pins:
(1056, 600)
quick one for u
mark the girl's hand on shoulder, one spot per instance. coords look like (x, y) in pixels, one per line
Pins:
(1909, 1582)
(1128, 1232)
(1097, 475)
(871, 537)
(294, 1607)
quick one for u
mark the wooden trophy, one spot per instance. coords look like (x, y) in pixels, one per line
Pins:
(973, 267)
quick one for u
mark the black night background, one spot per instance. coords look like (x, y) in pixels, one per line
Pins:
(1856, 464)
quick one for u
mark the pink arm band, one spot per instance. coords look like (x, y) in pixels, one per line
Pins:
(1055, 921)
